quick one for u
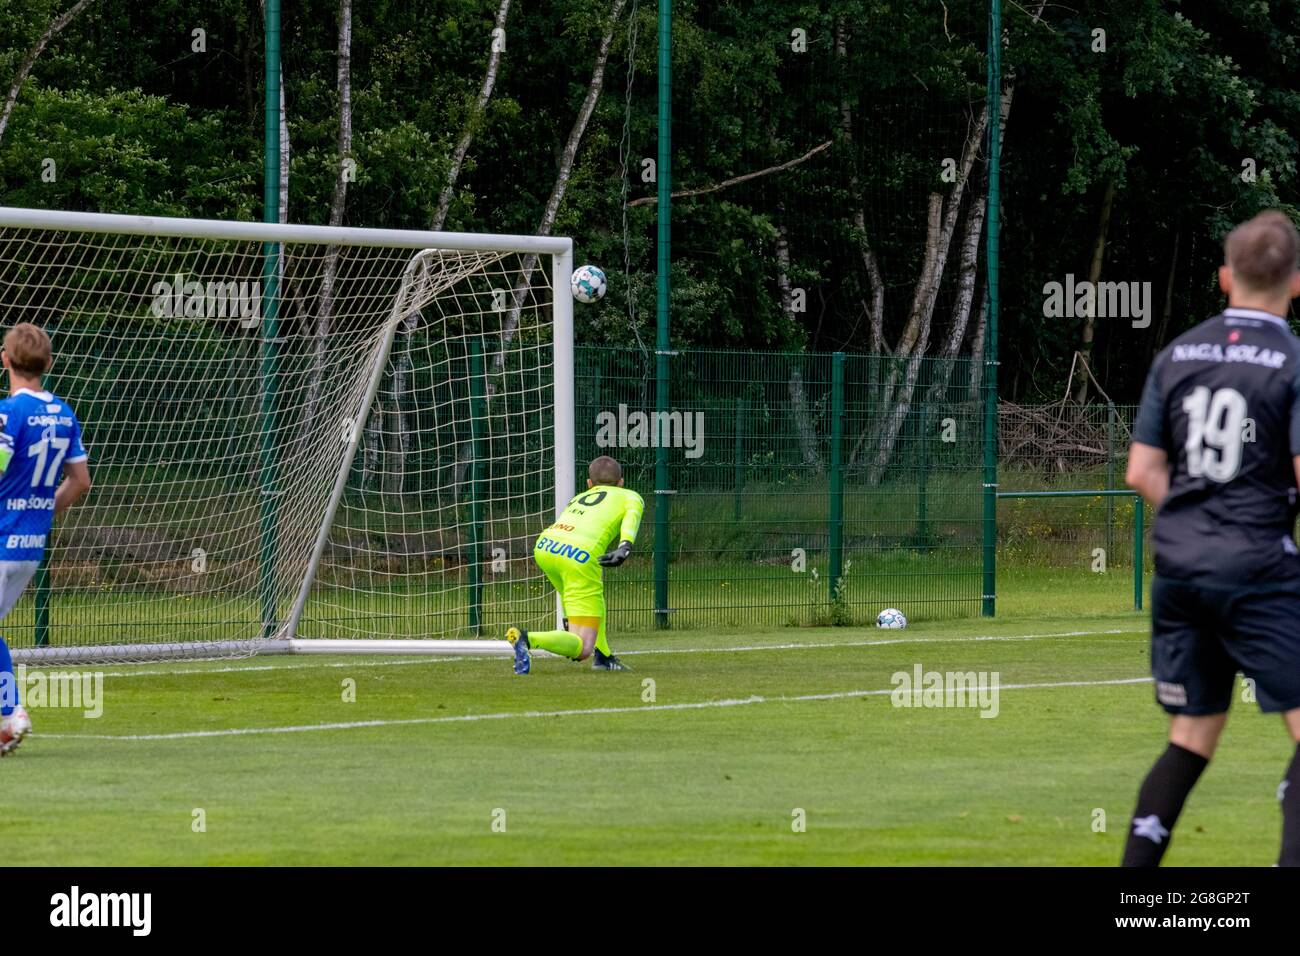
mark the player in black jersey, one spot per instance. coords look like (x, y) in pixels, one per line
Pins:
(1216, 449)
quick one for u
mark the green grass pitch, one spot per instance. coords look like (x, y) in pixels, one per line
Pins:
(460, 762)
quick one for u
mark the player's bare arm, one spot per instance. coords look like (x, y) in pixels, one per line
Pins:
(1148, 472)
(73, 487)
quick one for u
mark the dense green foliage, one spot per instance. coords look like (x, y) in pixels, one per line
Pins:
(1184, 93)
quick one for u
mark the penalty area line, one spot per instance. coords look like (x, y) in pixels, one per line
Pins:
(576, 712)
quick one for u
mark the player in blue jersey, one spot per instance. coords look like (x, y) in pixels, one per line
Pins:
(40, 443)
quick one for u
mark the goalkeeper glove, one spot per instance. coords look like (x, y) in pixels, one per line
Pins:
(616, 557)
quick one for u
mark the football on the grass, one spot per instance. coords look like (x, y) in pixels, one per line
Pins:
(891, 618)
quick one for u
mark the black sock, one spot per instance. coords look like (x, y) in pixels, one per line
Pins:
(1160, 801)
(1289, 796)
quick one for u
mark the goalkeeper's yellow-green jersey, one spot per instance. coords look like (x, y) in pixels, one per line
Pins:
(600, 516)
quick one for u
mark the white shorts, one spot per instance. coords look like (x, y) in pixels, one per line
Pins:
(14, 576)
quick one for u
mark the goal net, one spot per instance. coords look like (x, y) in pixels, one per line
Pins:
(300, 437)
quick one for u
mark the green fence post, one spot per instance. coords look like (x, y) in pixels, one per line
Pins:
(739, 457)
(663, 298)
(837, 474)
(42, 582)
(478, 402)
(1110, 479)
(596, 398)
(1137, 552)
(271, 251)
(922, 507)
(992, 237)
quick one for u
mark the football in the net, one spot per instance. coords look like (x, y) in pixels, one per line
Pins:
(891, 618)
(588, 283)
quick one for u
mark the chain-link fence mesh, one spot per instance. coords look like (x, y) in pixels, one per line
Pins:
(769, 525)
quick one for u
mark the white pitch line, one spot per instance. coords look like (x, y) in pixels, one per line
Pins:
(583, 712)
(739, 649)
(296, 666)
(881, 643)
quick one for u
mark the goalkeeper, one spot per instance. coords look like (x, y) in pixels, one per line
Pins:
(572, 554)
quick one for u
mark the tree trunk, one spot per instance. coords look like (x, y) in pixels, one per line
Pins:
(915, 337)
(804, 428)
(529, 262)
(967, 276)
(916, 334)
(567, 159)
(25, 67)
(325, 301)
(411, 321)
(1167, 312)
(284, 162)
(474, 119)
(875, 308)
(969, 269)
(394, 484)
(977, 349)
(930, 266)
(902, 399)
(372, 448)
(1094, 276)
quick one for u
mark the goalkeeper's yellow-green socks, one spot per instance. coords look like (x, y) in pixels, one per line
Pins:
(563, 643)
(602, 645)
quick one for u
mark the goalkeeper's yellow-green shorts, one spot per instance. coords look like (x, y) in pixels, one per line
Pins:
(574, 572)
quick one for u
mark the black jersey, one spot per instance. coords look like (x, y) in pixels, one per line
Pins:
(1223, 401)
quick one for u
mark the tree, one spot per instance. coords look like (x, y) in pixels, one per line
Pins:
(338, 203)
(55, 27)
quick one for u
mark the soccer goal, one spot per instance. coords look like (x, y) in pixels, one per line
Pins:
(302, 438)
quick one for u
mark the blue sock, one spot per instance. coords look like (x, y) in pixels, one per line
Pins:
(8, 681)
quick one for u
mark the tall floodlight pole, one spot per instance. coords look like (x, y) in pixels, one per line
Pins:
(664, 170)
(270, 324)
(991, 336)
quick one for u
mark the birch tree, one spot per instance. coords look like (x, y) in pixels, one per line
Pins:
(523, 283)
(473, 122)
(25, 67)
(338, 203)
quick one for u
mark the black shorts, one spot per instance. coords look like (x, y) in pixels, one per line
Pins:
(1202, 635)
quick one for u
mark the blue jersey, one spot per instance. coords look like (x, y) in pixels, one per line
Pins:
(39, 434)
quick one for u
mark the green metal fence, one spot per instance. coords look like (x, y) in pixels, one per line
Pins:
(1099, 554)
(804, 488)
(789, 505)
(1065, 447)
(802, 491)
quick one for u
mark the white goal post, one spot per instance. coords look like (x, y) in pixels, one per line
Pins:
(303, 439)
